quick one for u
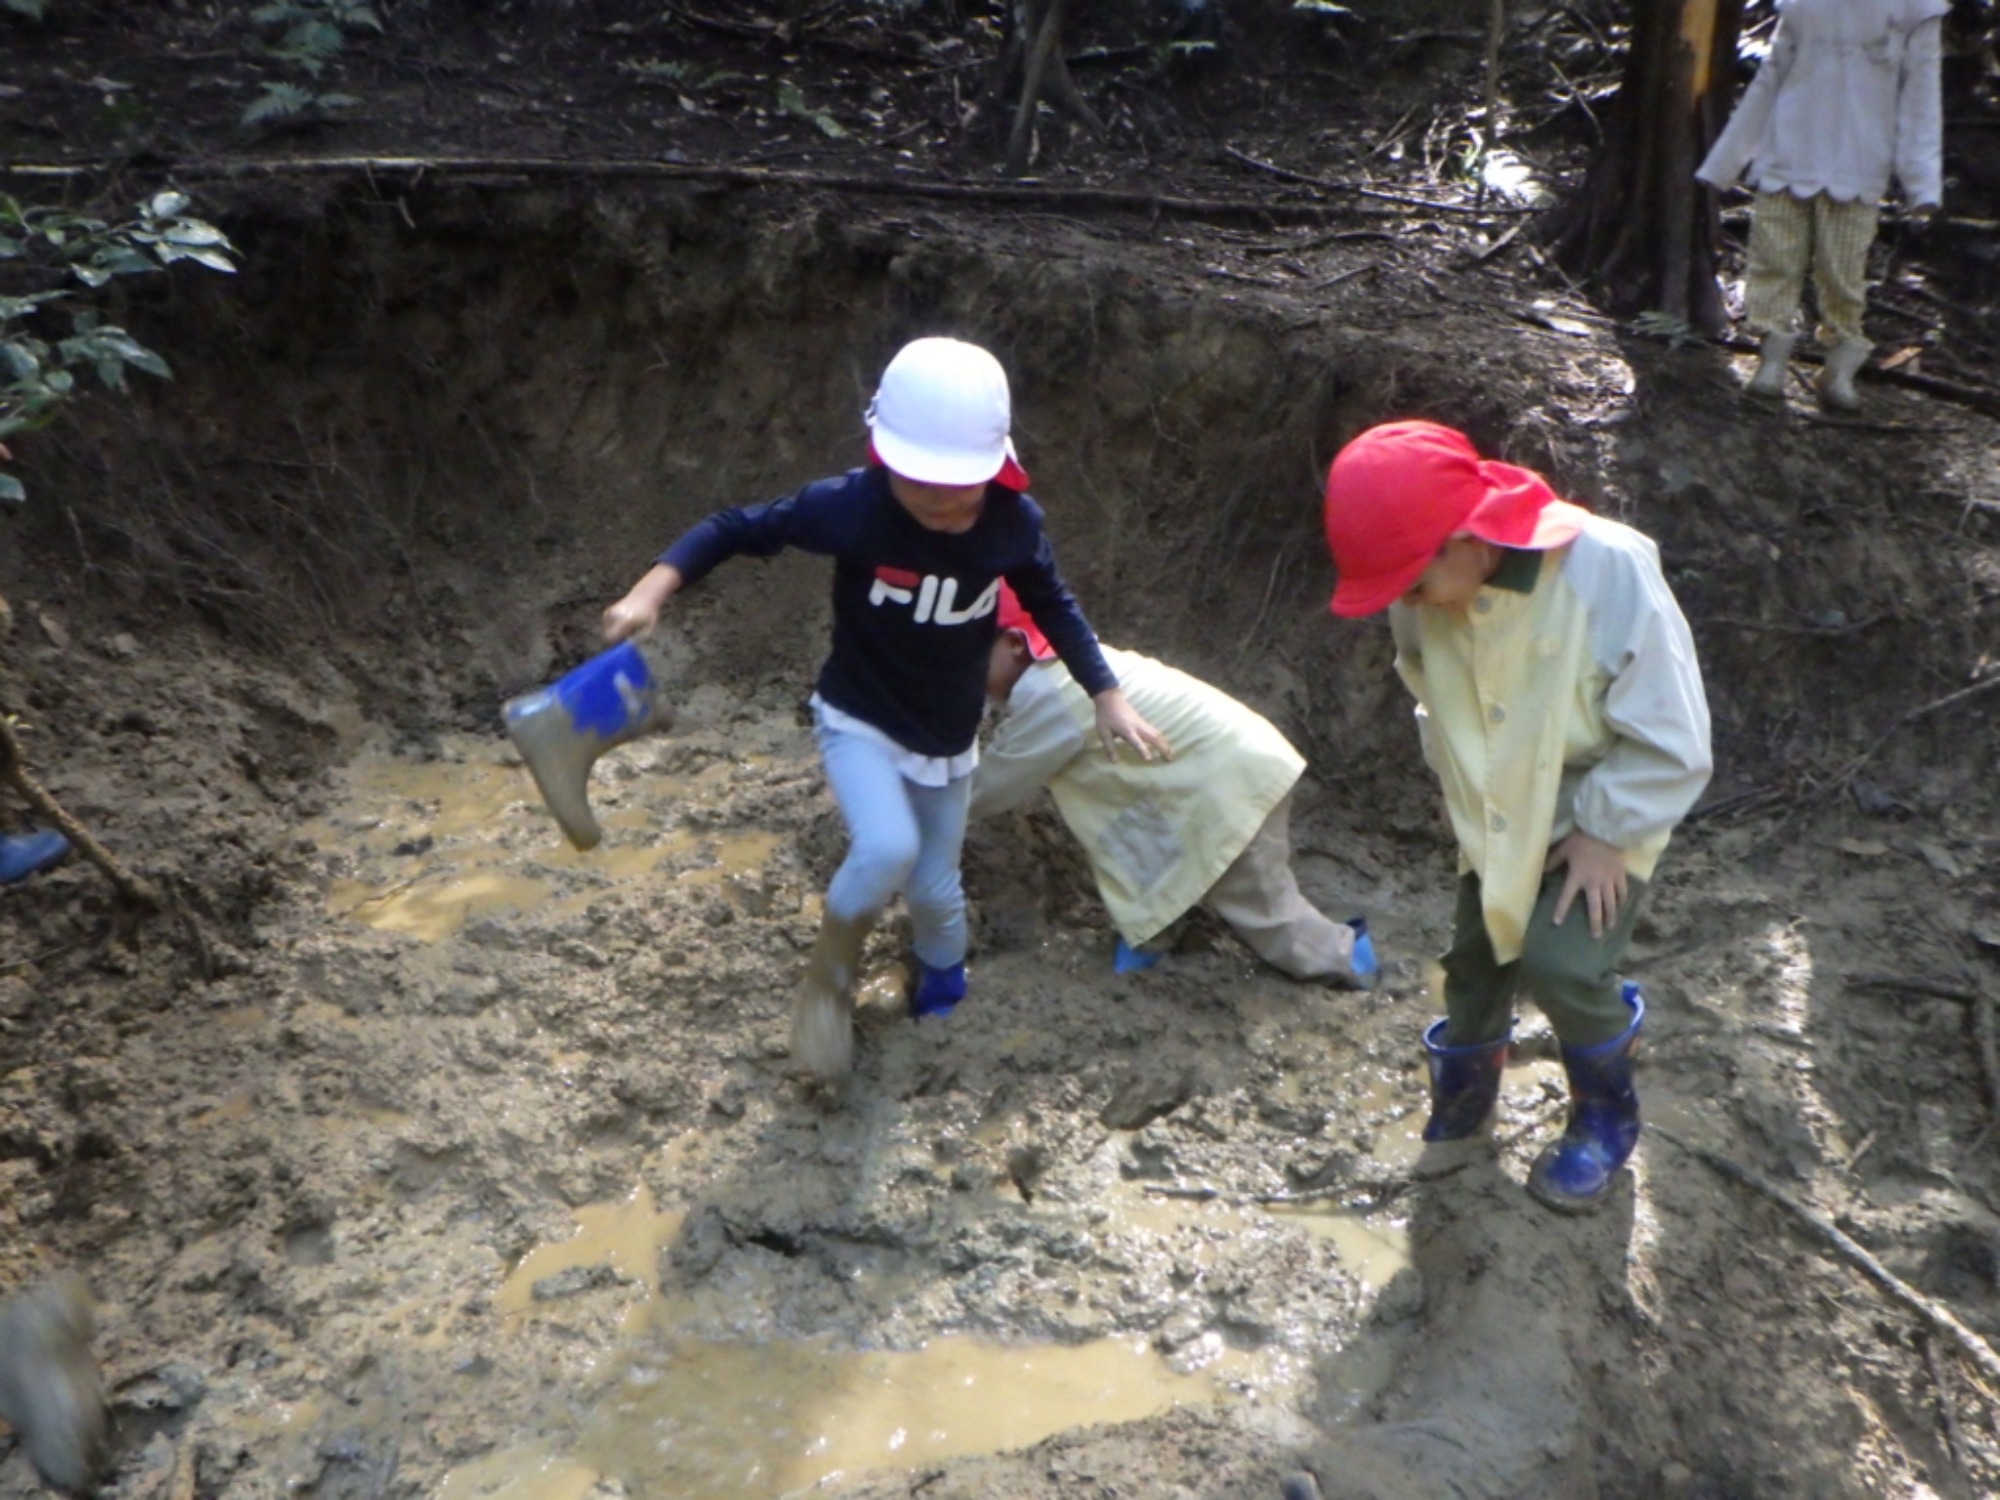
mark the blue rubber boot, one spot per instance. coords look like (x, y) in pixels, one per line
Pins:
(1125, 959)
(1362, 962)
(560, 730)
(1575, 1174)
(25, 854)
(937, 991)
(1465, 1083)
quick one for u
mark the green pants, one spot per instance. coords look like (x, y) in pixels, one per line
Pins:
(1572, 975)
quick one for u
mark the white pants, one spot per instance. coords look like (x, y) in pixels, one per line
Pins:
(1259, 896)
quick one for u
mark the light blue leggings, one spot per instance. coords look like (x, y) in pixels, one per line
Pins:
(901, 837)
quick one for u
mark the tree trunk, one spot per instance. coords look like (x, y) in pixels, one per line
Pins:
(1642, 232)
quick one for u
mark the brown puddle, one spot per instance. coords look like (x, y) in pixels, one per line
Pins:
(475, 841)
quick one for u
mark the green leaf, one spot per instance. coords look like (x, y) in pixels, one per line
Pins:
(166, 205)
(215, 260)
(34, 10)
(194, 232)
(18, 360)
(11, 492)
(792, 102)
(278, 101)
(10, 249)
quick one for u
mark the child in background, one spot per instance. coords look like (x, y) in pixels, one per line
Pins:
(1850, 94)
(1213, 825)
(921, 539)
(1560, 703)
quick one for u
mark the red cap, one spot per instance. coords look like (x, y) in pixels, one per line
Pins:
(1011, 476)
(1013, 617)
(1399, 491)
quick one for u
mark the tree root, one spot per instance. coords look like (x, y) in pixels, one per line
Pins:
(1941, 1318)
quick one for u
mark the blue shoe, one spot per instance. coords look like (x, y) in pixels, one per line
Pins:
(1125, 959)
(1575, 1174)
(1465, 1083)
(937, 991)
(1362, 962)
(22, 855)
(560, 730)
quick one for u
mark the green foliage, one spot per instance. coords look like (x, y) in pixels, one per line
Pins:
(1677, 332)
(792, 102)
(34, 10)
(311, 34)
(285, 101)
(46, 253)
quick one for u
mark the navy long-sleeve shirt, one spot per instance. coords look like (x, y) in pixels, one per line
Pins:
(913, 609)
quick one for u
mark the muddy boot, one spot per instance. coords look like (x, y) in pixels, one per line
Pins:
(50, 1391)
(937, 990)
(1575, 1174)
(561, 730)
(22, 855)
(823, 1010)
(1773, 359)
(1465, 1083)
(1835, 385)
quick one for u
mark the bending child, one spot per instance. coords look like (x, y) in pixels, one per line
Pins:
(921, 539)
(1849, 95)
(1561, 706)
(1211, 825)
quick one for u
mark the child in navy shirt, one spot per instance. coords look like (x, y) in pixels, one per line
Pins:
(921, 540)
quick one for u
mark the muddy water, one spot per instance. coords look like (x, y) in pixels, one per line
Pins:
(424, 848)
(433, 845)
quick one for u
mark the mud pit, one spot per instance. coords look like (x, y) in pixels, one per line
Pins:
(415, 1155)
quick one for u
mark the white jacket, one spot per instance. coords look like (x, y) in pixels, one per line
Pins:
(1850, 94)
(1577, 704)
(1159, 833)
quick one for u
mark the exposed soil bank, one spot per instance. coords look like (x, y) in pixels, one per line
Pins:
(265, 621)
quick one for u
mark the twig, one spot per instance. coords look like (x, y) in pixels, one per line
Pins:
(14, 771)
(1285, 174)
(1941, 1318)
(45, 954)
(1853, 768)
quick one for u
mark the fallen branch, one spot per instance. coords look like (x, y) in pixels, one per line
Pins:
(1939, 1317)
(1362, 190)
(14, 771)
(1849, 771)
(531, 167)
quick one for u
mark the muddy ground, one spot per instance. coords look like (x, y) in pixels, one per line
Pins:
(412, 1154)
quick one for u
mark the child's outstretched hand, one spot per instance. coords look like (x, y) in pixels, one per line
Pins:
(1119, 720)
(639, 611)
(1597, 871)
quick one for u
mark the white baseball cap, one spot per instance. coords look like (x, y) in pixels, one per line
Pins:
(941, 416)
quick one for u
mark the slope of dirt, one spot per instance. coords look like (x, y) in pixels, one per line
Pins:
(324, 1134)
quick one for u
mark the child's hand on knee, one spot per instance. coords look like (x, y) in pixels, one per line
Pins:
(1597, 872)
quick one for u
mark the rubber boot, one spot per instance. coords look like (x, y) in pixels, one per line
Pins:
(937, 991)
(1465, 1083)
(1363, 967)
(1773, 359)
(562, 729)
(1575, 1174)
(25, 854)
(1835, 385)
(823, 1010)
(50, 1390)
